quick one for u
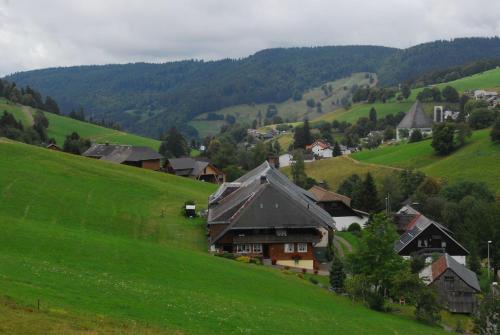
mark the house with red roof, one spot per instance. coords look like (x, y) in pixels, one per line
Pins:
(321, 149)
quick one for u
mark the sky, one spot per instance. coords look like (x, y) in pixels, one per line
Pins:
(47, 33)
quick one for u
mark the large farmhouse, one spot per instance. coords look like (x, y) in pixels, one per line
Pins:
(415, 119)
(263, 214)
(196, 169)
(143, 157)
(339, 207)
(455, 284)
(425, 237)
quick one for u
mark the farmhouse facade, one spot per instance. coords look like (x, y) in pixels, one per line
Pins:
(455, 284)
(320, 149)
(263, 214)
(425, 237)
(143, 157)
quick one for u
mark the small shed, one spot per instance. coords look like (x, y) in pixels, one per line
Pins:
(455, 284)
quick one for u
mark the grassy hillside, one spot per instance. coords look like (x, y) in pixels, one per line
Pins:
(89, 238)
(478, 160)
(335, 170)
(290, 110)
(61, 126)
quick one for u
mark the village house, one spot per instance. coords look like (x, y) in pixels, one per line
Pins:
(455, 284)
(320, 149)
(195, 169)
(414, 119)
(339, 207)
(287, 158)
(53, 146)
(425, 237)
(143, 157)
(263, 214)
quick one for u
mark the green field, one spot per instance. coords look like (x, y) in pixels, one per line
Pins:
(61, 126)
(478, 160)
(335, 170)
(97, 242)
(289, 110)
(486, 80)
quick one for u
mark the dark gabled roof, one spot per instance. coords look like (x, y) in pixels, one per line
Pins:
(188, 166)
(323, 195)
(419, 224)
(445, 262)
(290, 238)
(121, 153)
(416, 118)
(185, 163)
(265, 198)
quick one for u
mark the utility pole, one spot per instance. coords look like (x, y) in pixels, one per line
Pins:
(489, 242)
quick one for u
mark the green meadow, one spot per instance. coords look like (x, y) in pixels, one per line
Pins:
(61, 126)
(477, 160)
(104, 248)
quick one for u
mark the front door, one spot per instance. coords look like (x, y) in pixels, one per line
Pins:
(265, 250)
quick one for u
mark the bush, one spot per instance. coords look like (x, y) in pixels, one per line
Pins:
(243, 259)
(313, 280)
(481, 118)
(354, 228)
(416, 136)
(427, 307)
(375, 301)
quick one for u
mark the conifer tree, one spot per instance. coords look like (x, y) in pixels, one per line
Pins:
(337, 275)
(336, 150)
(369, 197)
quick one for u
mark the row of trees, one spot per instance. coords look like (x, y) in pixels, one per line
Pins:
(434, 94)
(27, 96)
(15, 130)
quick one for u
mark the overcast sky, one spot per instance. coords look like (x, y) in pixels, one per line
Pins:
(45, 33)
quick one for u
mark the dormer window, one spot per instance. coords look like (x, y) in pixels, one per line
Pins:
(281, 232)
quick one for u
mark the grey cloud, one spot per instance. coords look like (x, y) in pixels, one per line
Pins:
(36, 34)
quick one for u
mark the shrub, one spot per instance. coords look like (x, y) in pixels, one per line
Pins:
(416, 135)
(427, 307)
(304, 270)
(243, 259)
(313, 280)
(354, 228)
(481, 118)
(375, 301)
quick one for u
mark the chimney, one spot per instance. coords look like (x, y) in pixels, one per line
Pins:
(263, 179)
(273, 161)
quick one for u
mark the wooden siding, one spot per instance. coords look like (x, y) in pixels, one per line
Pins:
(455, 295)
(153, 164)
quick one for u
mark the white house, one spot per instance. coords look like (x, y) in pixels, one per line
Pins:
(285, 159)
(321, 149)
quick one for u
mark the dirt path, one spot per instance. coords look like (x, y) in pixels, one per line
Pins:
(338, 247)
(372, 164)
(29, 116)
(344, 242)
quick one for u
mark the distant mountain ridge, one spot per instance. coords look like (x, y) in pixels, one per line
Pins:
(149, 98)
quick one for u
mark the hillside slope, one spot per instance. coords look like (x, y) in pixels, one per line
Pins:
(91, 237)
(290, 110)
(149, 98)
(61, 126)
(477, 161)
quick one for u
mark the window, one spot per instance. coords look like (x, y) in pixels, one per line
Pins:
(419, 243)
(289, 247)
(449, 282)
(280, 232)
(243, 248)
(443, 244)
(257, 248)
(302, 247)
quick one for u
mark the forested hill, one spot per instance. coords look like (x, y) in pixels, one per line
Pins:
(148, 98)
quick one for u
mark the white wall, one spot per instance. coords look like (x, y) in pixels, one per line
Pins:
(343, 222)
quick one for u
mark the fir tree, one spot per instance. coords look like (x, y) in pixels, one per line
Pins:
(369, 196)
(299, 170)
(336, 150)
(337, 275)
